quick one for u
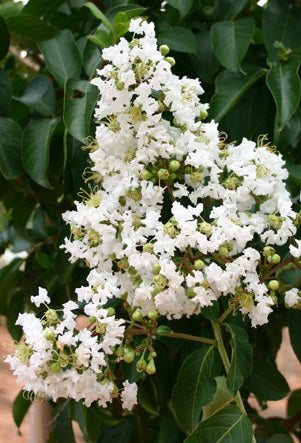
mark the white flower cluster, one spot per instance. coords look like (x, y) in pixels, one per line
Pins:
(174, 222)
(171, 222)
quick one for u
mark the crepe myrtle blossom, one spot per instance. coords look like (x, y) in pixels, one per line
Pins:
(168, 227)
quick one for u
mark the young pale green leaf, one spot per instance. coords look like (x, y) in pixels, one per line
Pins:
(80, 101)
(179, 39)
(221, 398)
(10, 148)
(284, 83)
(194, 387)
(62, 56)
(281, 22)
(294, 327)
(228, 425)
(231, 40)
(265, 381)
(4, 38)
(39, 95)
(230, 87)
(35, 149)
(100, 15)
(241, 357)
(132, 10)
(5, 93)
(101, 38)
(29, 27)
(183, 6)
(20, 407)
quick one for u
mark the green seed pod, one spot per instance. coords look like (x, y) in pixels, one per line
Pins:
(151, 368)
(137, 315)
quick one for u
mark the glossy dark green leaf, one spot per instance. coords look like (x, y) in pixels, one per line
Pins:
(80, 100)
(132, 10)
(241, 357)
(91, 58)
(295, 173)
(148, 397)
(21, 405)
(9, 9)
(279, 438)
(284, 83)
(10, 148)
(5, 93)
(4, 38)
(221, 398)
(4, 217)
(35, 149)
(230, 87)
(100, 15)
(8, 278)
(227, 9)
(265, 381)
(39, 95)
(101, 38)
(169, 431)
(281, 22)
(179, 39)
(294, 403)
(231, 40)
(29, 27)
(194, 387)
(183, 6)
(41, 8)
(206, 64)
(228, 425)
(62, 56)
(294, 327)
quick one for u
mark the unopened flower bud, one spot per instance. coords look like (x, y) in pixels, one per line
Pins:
(199, 264)
(151, 368)
(164, 49)
(203, 114)
(170, 60)
(111, 311)
(51, 317)
(273, 285)
(137, 315)
(268, 251)
(223, 251)
(148, 247)
(163, 174)
(190, 292)
(153, 314)
(49, 334)
(145, 174)
(205, 228)
(274, 259)
(141, 365)
(160, 281)
(156, 268)
(196, 176)
(129, 355)
(119, 85)
(174, 165)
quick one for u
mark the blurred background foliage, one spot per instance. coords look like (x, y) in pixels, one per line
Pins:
(247, 57)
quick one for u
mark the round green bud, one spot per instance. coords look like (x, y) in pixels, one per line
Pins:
(119, 85)
(199, 264)
(275, 259)
(148, 247)
(273, 285)
(164, 49)
(137, 315)
(223, 251)
(163, 174)
(129, 355)
(205, 228)
(49, 334)
(151, 368)
(160, 281)
(170, 60)
(111, 311)
(174, 165)
(190, 292)
(153, 314)
(203, 114)
(153, 354)
(268, 250)
(145, 174)
(141, 365)
(156, 268)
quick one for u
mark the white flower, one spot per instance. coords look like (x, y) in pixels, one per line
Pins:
(296, 250)
(129, 395)
(292, 297)
(41, 298)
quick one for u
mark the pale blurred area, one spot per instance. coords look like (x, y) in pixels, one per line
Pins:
(32, 433)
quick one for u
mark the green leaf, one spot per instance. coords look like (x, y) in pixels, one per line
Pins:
(101, 38)
(62, 56)
(179, 39)
(4, 217)
(121, 25)
(8, 278)
(78, 110)
(20, 407)
(294, 327)
(231, 40)
(5, 93)
(29, 27)
(228, 9)
(207, 64)
(4, 38)
(221, 398)
(91, 57)
(295, 173)
(230, 87)
(39, 95)
(281, 22)
(132, 10)
(294, 403)
(227, 426)
(148, 397)
(41, 8)
(284, 83)
(279, 438)
(100, 15)
(35, 149)
(194, 387)
(10, 147)
(183, 6)
(241, 357)
(265, 381)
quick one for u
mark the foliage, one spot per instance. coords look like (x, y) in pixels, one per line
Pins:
(247, 58)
